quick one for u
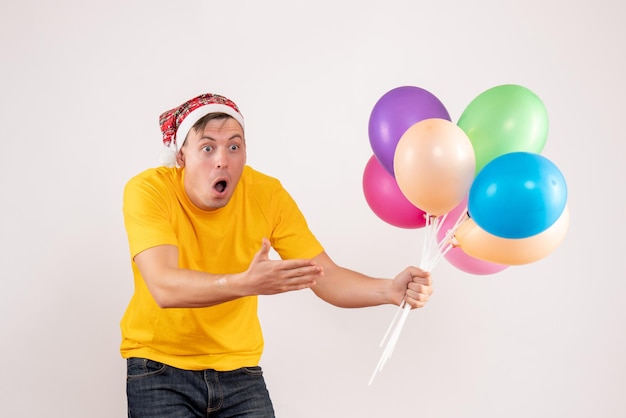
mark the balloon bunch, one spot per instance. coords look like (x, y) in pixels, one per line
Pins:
(484, 195)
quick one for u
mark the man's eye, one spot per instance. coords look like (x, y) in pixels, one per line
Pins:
(207, 148)
(234, 147)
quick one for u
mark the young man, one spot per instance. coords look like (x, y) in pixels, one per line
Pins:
(200, 230)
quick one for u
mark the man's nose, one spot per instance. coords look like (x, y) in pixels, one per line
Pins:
(221, 158)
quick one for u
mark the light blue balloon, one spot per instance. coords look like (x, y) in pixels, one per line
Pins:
(517, 195)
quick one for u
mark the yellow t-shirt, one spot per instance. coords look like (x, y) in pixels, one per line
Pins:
(157, 211)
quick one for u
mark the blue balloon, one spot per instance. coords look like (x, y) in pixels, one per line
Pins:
(517, 195)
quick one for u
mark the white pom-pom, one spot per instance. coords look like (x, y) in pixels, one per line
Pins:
(168, 157)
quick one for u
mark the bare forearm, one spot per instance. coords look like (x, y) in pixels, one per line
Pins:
(174, 287)
(182, 288)
(349, 289)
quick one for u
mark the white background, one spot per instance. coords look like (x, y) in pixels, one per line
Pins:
(83, 83)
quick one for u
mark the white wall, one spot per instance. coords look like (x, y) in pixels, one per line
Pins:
(81, 88)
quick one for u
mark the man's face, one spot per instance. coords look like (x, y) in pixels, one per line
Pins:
(213, 160)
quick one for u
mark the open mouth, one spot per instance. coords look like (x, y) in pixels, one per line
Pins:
(220, 186)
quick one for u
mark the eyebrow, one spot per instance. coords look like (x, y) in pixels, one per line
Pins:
(235, 136)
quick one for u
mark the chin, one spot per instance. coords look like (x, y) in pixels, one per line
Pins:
(216, 203)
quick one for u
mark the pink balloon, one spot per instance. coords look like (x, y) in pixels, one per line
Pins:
(456, 256)
(472, 265)
(386, 200)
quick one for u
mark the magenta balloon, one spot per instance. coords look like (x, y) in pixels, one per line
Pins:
(456, 256)
(386, 200)
(394, 113)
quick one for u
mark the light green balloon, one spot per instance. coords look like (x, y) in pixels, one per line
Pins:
(503, 119)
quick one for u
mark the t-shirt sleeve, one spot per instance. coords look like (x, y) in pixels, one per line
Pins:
(147, 215)
(291, 237)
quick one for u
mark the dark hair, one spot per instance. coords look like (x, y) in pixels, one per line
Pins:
(202, 122)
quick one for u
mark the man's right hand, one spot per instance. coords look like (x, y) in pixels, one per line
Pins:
(269, 277)
(173, 287)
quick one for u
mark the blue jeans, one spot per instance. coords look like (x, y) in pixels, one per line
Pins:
(157, 390)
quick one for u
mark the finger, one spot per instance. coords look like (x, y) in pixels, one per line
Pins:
(417, 299)
(305, 273)
(423, 280)
(296, 264)
(417, 295)
(421, 297)
(420, 288)
(264, 251)
(302, 278)
(265, 246)
(415, 304)
(416, 271)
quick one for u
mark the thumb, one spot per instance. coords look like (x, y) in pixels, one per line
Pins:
(264, 252)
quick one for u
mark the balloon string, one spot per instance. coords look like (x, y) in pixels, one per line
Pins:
(443, 251)
(430, 256)
(426, 227)
(386, 355)
(446, 240)
(403, 302)
(431, 225)
(430, 247)
(393, 321)
(445, 244)
(433, 250)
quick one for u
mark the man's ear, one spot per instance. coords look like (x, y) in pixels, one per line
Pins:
(180, 158)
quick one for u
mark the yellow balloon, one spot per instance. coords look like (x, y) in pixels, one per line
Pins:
(434, 165)
(477, 243)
